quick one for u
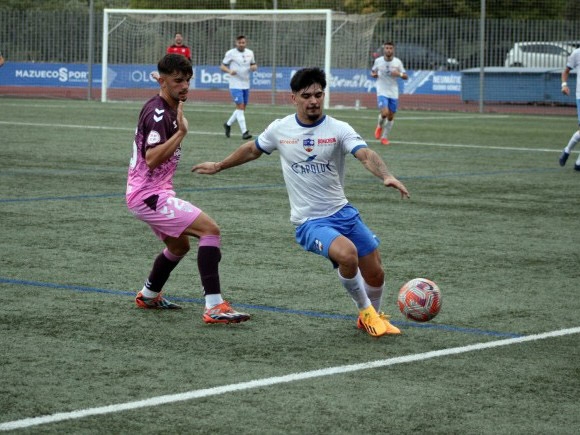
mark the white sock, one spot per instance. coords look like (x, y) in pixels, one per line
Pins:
(389, 125)
(382, 121)
(233, 118)
(148, 293)
(375, 295)
(573, 141)
(241, 120)
(356, 289)
(213, 300)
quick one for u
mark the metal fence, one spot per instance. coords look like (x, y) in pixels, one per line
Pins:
(422, 43)
(61, 36)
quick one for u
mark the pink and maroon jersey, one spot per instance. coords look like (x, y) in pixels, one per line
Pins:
(157, 123)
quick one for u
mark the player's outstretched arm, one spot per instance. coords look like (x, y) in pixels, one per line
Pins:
(376, 166)
(245, 153)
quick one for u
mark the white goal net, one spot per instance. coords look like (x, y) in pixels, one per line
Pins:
(282, 40)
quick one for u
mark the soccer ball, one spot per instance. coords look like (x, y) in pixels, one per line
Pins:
(419, 300)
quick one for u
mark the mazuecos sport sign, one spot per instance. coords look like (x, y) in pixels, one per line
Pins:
(211, 77)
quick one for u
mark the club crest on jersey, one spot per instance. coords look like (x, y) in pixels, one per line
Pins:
(308, 144)
(153, 138)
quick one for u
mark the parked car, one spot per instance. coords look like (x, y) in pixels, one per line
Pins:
(416, 56)
(494, 55)
(540, 54)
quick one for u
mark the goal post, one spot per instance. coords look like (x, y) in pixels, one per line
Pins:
(283, 40)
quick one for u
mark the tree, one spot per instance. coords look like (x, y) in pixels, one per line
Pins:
(59, 5)
(514, 9)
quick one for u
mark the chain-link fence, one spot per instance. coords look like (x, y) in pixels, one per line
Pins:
(450, 49)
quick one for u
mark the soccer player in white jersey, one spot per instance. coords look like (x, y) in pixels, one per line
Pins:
(151, 198)
(387, 70)
(573, 63)
(239, 62)
(313, 149)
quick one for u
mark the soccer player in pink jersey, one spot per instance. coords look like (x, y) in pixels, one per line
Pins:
(151, 198)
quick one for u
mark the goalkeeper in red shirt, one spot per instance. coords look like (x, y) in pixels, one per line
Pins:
(178, 47)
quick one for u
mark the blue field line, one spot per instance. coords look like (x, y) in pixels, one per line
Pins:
(306, 313)
(122, 195)
(63, 198)
(278, 186)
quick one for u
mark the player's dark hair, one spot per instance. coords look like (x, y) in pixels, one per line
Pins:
(307, 77)
(389, 43)
(172, 63)
(240, 37)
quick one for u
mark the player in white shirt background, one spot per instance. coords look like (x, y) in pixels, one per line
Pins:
(387, 70)
(572, 63)
(313, 149)
(239, 62)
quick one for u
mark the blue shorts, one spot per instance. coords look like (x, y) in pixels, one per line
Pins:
(240, 96)
(390, 103)
(316, 235)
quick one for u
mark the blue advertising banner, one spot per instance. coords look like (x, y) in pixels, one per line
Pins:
(211, 77)
(44, 74)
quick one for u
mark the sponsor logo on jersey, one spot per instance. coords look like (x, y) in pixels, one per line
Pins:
(308, 144)
(310, 166)
(158, 115)
(318, 244)
(288, 141)
(323, 141)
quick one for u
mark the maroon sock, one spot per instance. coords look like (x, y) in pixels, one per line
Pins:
(162, 267)
(208, 258)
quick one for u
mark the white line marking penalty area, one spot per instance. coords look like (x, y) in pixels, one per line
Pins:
(259, 383)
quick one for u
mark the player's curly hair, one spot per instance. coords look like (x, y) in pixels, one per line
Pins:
(171, 63)
(306, 77)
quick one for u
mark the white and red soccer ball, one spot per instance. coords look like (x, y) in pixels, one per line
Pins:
(419, 300)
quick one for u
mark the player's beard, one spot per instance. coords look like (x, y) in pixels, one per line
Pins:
(313, 113)
(180, 96)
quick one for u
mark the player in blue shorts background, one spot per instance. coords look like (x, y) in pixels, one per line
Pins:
(239, 63)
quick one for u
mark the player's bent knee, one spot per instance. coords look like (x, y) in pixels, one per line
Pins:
(375, 278)
(347, 259)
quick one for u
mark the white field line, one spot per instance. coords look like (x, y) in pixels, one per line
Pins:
(221, 133)
(266, 382)
(487, 147)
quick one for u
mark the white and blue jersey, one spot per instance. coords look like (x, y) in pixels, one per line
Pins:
(313, 163)
(574, 63)
(386, 84)
(240, 62)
